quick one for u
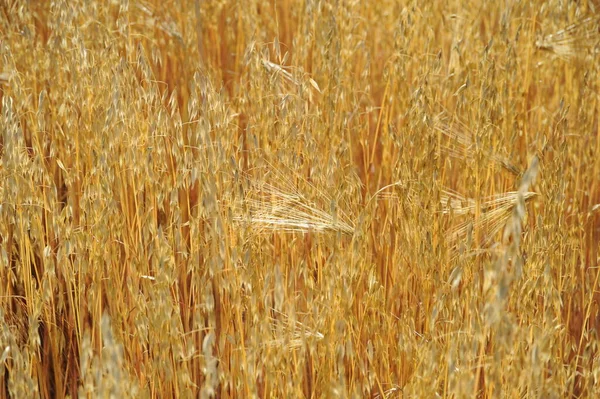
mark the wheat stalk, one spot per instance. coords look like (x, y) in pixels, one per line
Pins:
(301, 333)
(282, 207)
(282, 71)
(495, 212)
(572, 41)
(462, 143)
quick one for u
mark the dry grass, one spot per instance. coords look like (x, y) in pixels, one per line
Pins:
(299, 199)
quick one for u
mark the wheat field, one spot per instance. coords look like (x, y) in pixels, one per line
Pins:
(299, 199)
